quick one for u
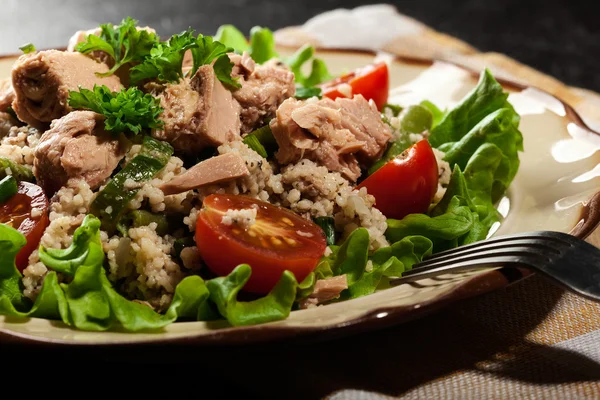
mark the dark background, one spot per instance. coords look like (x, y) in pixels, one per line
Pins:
(559, 37)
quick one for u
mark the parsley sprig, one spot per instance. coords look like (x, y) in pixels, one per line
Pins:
(129, 110)
(165, 59)
(27, 48)
(124, 43)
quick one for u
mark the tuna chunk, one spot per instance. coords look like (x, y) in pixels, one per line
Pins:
(325, 290)
(222, 168)
(341, 135)
(7, 94)
(42, 82)
(264, 88)
(76, 146)
(198, 113)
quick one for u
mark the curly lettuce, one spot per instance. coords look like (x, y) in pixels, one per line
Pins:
(89, 302)
(481, 139)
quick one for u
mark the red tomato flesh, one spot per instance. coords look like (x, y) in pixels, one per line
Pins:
(372, 81)
(406, 184)
(16, 212)
(279, 240)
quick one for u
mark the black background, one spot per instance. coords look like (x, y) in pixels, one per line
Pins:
(559, 37)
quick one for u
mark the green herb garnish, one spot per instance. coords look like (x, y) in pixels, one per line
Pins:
(111, 202)
(27, 48)
(208, 50)
(165, 59)
(8, 188)
(127, 110)
(124, 43)
(262, 141)
(306, 93)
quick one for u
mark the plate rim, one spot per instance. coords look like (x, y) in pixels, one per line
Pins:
(377, 318)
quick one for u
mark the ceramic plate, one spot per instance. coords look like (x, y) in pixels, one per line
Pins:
(555, 189)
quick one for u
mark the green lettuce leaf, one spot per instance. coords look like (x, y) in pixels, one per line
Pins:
(318, 73)
(11, 241)
(487, 97)
(389, 261)
(499, 129)
(352, 256)
(443, 230)
(230, 36)
(272, 307)
(306, 287)
(50, 302)
(437, 114)
(262, 44)
(480, 136)
(405, 253)
(92, 302)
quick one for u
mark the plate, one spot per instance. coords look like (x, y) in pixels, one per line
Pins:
(557, 188)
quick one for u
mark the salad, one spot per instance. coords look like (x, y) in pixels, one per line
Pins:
(146, 181)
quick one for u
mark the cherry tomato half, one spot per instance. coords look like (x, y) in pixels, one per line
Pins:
(17, 212)
(372, 81)
(406, 184)
(278, 240)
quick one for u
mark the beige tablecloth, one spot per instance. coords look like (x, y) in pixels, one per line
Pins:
(530, 340)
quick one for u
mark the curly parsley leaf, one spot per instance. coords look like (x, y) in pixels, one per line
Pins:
(124, 43)
(27, 48)
(165, 59)
(208, 50)
(127, 110)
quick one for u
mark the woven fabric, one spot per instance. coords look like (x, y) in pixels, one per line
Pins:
(530, 340)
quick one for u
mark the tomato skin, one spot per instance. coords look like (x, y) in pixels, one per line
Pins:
(372, 81)
(16, 212)
(406, 184)
(222, 250)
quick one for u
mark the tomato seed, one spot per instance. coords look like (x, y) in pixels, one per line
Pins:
(287, 221)
(290, 241)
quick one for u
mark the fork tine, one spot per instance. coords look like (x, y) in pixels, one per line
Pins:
(570, 262)
(473, 258)
(493, 261)
(527, 237)
(521, 244)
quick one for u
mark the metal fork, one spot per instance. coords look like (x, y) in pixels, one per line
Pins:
(568, 261)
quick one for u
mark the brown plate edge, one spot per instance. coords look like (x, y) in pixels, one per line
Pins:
(375, 319)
